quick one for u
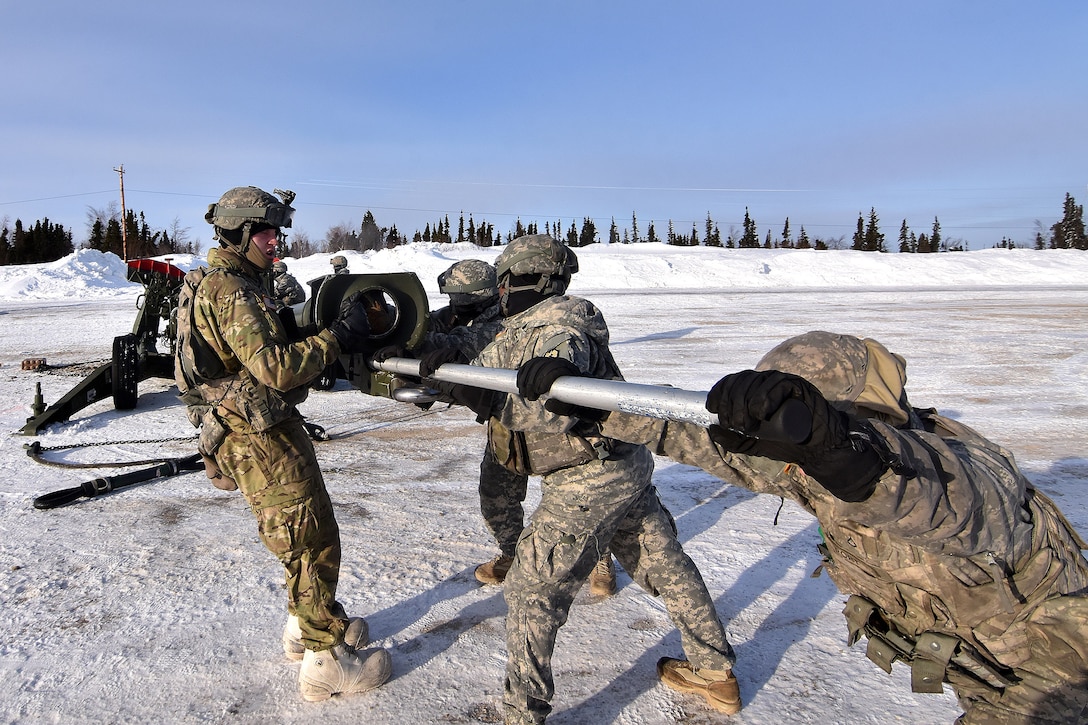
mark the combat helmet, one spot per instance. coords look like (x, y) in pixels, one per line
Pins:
(535, 262)
(469, 283)
(245, 209)
(339, 263)
(856, 375)
(279, 267)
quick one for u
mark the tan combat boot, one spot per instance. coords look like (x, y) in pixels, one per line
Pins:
(357, 635)
(342, 671)
(719, 687)
(494, 571)
(602, 580)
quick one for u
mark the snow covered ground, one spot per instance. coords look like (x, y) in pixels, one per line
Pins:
(158, 603)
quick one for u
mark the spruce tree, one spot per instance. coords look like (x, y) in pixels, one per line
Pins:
(750, 237)
(904, 238)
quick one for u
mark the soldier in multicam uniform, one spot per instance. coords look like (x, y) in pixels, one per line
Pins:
(953, 561)
(286, 290)
(594, 490)
(465, 327)
(241, 378)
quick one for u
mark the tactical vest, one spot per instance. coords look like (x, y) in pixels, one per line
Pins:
(205, 384)
(540, 453)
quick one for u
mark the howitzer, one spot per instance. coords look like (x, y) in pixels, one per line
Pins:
(792, 422)
(135, 356)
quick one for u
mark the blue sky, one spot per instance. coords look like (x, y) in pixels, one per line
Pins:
(969, 111)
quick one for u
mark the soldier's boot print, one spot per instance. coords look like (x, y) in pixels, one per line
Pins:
(342, 670)
(718, 687)
(494, 571)
(602, 580)
(357, 635)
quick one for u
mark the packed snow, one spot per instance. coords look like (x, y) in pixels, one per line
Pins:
(158, 603)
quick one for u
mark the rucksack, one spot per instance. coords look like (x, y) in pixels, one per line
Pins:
(195, 361)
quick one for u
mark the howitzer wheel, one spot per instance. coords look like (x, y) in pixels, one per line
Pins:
(125, 372)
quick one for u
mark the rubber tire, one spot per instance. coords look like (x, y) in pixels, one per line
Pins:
(125, 372)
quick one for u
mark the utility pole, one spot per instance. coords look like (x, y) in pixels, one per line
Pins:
(124, 237)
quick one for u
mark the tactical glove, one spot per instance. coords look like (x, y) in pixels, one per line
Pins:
(352, 328)
(484, 403)
(431, 361)
(847, 466)
(535, 376)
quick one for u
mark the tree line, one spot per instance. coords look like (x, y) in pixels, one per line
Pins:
(45, 241)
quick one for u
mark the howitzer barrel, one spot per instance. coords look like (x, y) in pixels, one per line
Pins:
(792, 422)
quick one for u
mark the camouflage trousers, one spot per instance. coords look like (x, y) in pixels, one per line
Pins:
(582, 509)
(501, 495)
(1053, 686)
(278, 474)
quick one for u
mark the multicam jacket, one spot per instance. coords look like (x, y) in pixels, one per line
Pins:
(234, 358)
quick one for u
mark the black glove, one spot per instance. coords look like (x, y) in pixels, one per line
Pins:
(484, 403)
(384, 353)
(570, 410)
(352, 328)
(535, 376)
(847, 467)
(745, 401)
(431, 361)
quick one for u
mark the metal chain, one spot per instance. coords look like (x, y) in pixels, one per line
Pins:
(35, 450)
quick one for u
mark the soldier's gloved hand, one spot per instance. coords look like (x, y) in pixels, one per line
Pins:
(351, 327)
(384, 353)
(848, 468)
(431, 361)
(484, 403)
(536, 375)
(745, 401)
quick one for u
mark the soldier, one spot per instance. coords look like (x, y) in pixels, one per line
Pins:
(242, 378)
(595, 490)
(339, 264)
(953, 562)
(286, 290)
(459, 332)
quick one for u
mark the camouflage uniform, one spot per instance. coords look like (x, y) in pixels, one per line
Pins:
(285, 288)
(594, 491)
(264, 446)
(964, 549)
(470, 285)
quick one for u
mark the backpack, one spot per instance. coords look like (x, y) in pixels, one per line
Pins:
(195, 361)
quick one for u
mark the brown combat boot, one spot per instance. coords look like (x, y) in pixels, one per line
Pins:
(602, 580)
(719, 687)
(494, 571)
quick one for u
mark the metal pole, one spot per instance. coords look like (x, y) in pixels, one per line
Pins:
(792, 422)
